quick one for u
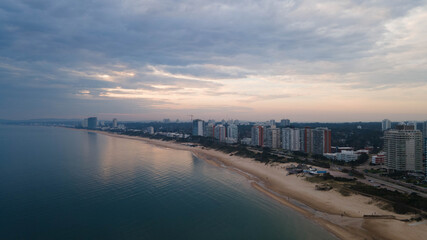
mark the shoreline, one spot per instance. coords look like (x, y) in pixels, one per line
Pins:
(339, 215)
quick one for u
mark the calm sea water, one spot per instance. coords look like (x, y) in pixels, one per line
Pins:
(64, 184)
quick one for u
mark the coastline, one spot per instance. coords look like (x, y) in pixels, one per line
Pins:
(340, 215)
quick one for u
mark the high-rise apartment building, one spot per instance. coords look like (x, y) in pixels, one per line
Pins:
(414, 124)
(403, 148)
(425, 153)
(209, 129)
(291, 139)
(84, 123)
(258, 135)
(115, 123)
(92, 122)
(425, 129)
(220, 132)
(273, 137)
(386, 124)
(425, 142)
(321, 140)
(150, 130)
(198, 127)
(306, 140)
(232, 132)
(285, 122)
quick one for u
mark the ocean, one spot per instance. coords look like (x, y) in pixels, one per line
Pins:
(58, 183)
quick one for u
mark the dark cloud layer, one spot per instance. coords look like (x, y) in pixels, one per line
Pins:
(58, 57)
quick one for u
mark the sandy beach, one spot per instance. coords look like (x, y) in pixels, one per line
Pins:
(341, 215)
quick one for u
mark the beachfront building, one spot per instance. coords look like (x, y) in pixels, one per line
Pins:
(84, 123)
(315, 141)
(114, 125)
(92, 122)
(378, 159)
(258, 135)
(209, 129)
(198, 127)
(291, 139)
(220, 132)
(425, 153)
(321, 140)
(306, 139)
(273, 137)
(150, 130)
(386, 124)
(403, 148)
(232, 133)
(347, 156)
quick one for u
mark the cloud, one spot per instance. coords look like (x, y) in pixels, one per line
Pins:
(217, 54)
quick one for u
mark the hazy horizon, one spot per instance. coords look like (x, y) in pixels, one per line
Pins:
(189, 121)
(308, 61)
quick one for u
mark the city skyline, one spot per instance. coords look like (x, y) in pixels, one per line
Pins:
(308, 61)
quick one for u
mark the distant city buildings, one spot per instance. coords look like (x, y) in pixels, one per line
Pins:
(224, 132)
(321, 140)
(272, 122)
(424, 129)
(209, 129)
(386, 124)
(258, 135)
(150, 130)
(285, 122)
(414, 124)
(424, 126)
(273, 138)
(403, 149)
(198, 127)
(425, 154)
(85, 123)
(114, 123)
(308, 140)
(92, 122)
(220, 132)
(232, 133)
(291, 139)
(266, 134)
(166, 120)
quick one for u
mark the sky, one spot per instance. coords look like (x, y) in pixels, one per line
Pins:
(309, 61)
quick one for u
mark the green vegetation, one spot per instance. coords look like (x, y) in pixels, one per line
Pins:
(344, 191)
(402, 203)
(375, 171)
(356, 173)
(327, 177)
